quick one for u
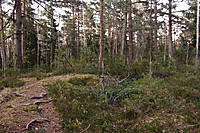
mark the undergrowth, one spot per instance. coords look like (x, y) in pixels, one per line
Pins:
(150, 104)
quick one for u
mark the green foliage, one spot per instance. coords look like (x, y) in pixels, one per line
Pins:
(149, 104)
(83, 81)
(162, 71)
(11, 72)
(11, 82)
(139, 68)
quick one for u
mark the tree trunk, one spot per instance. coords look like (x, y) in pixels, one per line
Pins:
(3, 49)
(116, 30)
(101, 62)
(130, 33)
(78, 39)
(170, 32)
(187, 53)
(155, 34)
(18, 26)
(197, 40)
(84, 34)
(23, 30)
(124, 38)
(38, 46)
(165, 37)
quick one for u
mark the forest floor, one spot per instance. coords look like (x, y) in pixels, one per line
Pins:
(30, 108)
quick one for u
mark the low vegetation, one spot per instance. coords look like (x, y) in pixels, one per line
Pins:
(150, 102)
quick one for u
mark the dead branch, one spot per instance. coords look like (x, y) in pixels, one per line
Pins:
(86, 129)
(19, 95)
(124, 79)
(38, 120)
(36, 102)
(39, 96)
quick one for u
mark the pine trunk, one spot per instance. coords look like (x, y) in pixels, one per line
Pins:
(170, 32)
(3, 49)
(18, 26)
(197, 40)
(155, 34)
(101, 62)
(130, 34)
(124, 38)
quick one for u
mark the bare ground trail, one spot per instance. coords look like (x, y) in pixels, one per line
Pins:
(30, 108)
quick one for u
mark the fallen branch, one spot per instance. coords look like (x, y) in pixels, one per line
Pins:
(124, 79)
(86, 129)
(36, 102)
(19, 95)
(38, 120)
(39, 96)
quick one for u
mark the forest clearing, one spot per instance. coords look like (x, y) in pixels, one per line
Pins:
(99, 66)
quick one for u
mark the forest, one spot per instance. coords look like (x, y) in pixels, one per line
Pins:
(99, 66)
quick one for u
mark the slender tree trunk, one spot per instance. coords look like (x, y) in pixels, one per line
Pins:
(38, 46)
(155, 34)
(78, 39)
(130, 33)
(124, 38)
(165, 43)
(18, 26)
(23, 30)
(170, 32)
(187, 54)
(73, 36)
(3, 48)
(101, 62)
(84, 34)
(197, 40)
(116, 30)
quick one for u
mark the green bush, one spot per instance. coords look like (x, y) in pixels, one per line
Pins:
(83, 81)
(11, 82)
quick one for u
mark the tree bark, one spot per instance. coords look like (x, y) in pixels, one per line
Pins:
(155, 34)
(130, 33)
(101, 62)
(78, 39)
(23, 30)
(18, 26)
(170, 32)
(3, 48)
(197, 40)
(124, 38)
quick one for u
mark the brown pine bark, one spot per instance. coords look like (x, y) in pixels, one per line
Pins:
(155, 34)
(170, 32)
(18, 45)
(130, 33)
(197, 40)
(23, 31)
(101, 62)
(124, 38)
(3, 49)
(78, 38)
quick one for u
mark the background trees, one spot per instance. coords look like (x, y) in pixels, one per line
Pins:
(133, 29)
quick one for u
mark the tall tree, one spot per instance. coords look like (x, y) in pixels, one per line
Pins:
(197, 39)
(130, 33)
(124, 38)
(101, 62)
(18, 45)
(155, 34)
(3, 49)
(170, 32)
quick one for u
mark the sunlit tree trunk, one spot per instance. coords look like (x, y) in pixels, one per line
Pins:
(78, 39)
(170, 32)
(197, 40)
(101, 62)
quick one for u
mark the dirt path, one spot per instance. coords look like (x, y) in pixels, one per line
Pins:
(30, 108)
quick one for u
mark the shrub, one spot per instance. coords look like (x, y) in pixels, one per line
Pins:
(11, 82)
